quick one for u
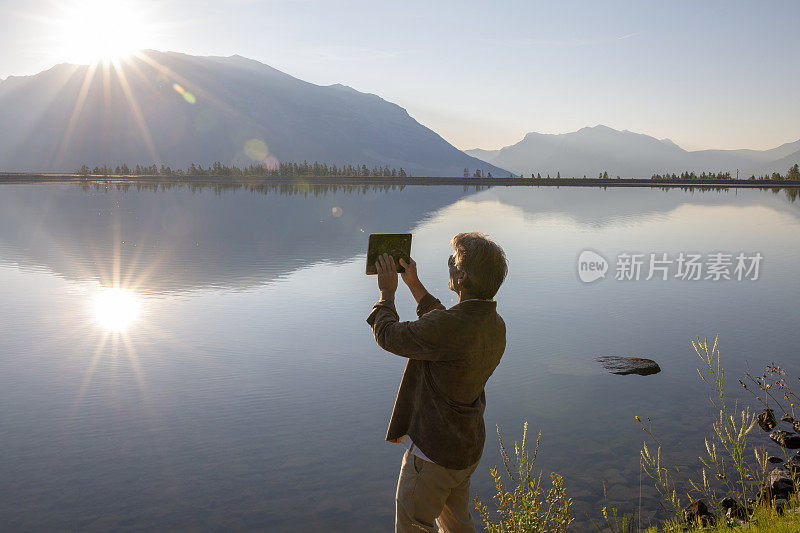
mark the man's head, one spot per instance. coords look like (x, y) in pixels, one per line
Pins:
(477, 266)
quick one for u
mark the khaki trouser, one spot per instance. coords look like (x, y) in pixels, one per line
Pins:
(429, 495)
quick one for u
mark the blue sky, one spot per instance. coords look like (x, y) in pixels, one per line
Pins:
(707, 74)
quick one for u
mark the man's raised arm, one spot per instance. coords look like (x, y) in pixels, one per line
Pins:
(425, 300)
(415, 340)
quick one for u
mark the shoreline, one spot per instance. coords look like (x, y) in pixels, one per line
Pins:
(25, 178)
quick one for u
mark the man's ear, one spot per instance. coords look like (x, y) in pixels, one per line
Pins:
(462, 277)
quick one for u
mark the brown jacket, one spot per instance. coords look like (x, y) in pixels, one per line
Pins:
(452, 352)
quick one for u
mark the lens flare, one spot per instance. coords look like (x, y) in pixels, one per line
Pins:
(189, 97)
(271, 162)
(256, 150)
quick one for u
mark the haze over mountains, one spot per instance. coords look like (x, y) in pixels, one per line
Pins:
(590, 151)
(175, 109)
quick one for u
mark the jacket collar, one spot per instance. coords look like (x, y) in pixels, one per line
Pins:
(475, 303)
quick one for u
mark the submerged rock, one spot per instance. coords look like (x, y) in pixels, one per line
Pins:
(787, 418)
(629, 365)
(766, 420)
(774, 459)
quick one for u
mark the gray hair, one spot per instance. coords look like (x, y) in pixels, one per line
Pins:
(484, 262)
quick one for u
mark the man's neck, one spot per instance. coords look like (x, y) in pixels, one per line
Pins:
(464, 296)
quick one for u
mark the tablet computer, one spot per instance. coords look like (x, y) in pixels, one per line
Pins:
(397, 245)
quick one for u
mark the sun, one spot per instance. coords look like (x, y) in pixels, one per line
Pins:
(116, 309)
(91, 31)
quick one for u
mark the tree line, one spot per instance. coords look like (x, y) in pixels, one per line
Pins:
(538, 176)
(279, 170)
(316, 169)
(478, 174)
(793, 174)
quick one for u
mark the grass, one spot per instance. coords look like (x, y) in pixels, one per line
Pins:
(764, 520)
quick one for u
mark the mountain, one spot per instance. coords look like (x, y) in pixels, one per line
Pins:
(592, 150)
(782, 164)
(483, 155)
(784, 150)
(176, 109)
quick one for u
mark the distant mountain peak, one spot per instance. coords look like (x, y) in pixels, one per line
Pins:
(595, 149)
(344, 88)
(599, 128)
(669, 142)
(236, 58)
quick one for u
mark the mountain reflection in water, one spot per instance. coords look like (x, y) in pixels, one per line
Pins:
(185, 238)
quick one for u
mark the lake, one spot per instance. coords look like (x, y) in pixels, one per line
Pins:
(198, 358)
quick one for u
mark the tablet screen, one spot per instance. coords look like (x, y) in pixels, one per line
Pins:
(397, 245)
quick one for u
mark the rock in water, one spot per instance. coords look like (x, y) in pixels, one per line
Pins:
(774, 459)
(766, 420)
(697, 513)
(780, 481)
(733, 509)
(629, 365)
(728, 502)
(785, 439)
(794, 464)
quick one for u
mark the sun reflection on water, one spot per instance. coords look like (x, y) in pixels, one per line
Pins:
(115, 309)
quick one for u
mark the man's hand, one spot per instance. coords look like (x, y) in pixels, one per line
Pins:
(410, 277)
(387, 276)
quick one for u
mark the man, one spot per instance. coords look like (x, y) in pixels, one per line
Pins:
(439, 408)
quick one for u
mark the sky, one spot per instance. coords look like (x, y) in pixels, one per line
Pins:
(709, 74)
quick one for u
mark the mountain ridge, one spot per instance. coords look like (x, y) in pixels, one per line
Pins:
(176, 109)
(595, 149)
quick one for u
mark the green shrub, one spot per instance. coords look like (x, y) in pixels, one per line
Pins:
(527, 508)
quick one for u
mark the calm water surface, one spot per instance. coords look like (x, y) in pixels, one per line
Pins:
(198, 359)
